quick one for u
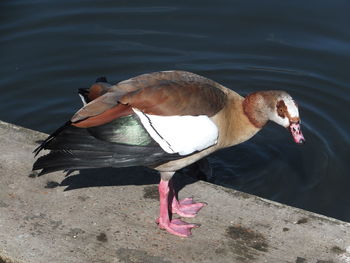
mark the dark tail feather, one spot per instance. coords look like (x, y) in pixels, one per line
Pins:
(73, 148)
(72, 160)
(51, 137)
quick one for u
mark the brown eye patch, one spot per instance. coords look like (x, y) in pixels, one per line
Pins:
(281, 109)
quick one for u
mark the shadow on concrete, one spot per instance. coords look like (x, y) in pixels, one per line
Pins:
(131, 176)
(110, 177)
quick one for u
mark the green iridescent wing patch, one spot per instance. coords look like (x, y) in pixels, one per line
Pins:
(125, 130)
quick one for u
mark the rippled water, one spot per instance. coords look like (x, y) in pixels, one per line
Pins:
(51, 48)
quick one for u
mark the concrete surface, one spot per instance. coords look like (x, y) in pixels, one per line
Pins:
(108, 215)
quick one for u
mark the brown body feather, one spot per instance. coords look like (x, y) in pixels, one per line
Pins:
(160, 93)
(234, 126)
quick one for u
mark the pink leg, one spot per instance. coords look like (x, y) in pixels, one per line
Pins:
(186, 207)
(174, 226)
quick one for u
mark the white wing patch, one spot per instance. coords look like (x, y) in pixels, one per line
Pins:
(180, 134)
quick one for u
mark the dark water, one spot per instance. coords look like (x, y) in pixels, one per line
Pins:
(51, 48)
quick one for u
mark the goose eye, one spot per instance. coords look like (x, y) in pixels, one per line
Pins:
(280, 112)
(281, 109)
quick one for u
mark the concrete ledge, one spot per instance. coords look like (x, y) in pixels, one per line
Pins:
(108, 215)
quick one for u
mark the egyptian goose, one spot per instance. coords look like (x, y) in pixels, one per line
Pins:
(166, 121)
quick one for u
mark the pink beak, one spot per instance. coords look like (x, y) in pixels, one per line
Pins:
(295, 130)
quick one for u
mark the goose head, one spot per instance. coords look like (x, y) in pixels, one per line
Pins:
(277, 106)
